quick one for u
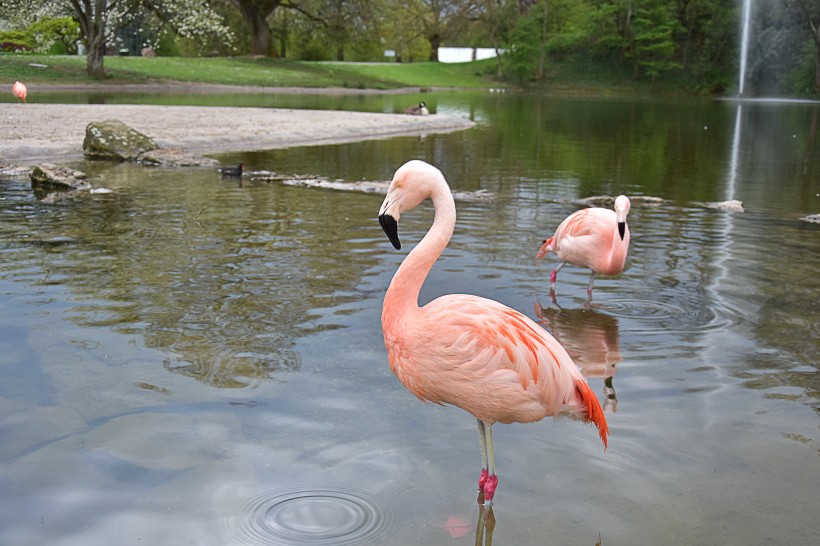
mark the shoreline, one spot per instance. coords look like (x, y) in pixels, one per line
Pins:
(32, 133)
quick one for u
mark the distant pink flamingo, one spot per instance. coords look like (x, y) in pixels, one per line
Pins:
(467, 351)
(19, 90)
(595, 238)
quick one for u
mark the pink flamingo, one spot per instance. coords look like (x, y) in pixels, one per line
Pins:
(595, 238)
(467, 351)
(19, 90)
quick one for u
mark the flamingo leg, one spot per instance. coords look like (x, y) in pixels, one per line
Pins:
(589, 287)
(485, 473)
(488, 463)
(554, 274)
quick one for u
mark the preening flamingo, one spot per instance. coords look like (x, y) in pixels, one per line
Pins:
(595, 238)
(467, 351)
(19, 90)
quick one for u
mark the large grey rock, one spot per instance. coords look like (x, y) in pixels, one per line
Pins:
(114, 140)
(50, 176)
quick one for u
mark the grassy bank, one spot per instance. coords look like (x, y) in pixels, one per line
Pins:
(574, 76)
(247, 71)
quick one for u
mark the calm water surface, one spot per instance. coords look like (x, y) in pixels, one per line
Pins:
(191, 360)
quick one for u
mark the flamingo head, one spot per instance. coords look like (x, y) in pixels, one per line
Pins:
(622, 206)
(414, 182)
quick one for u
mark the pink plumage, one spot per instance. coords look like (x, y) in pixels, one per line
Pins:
(596, 238)
(467, 351)
(20, 91)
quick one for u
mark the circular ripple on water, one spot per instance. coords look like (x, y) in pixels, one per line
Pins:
(652, 316)
(301, 515)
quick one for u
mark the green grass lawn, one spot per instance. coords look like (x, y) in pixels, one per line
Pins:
(248, 71)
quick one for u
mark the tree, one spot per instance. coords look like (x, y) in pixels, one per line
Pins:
(437, 20)
(544, 30)
(813, 21)
(256, 13)
(100, 20)
(641, 32)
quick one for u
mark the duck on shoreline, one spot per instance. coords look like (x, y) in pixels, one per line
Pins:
(419, 109)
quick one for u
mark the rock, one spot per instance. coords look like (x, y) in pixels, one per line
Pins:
(365, 186)
(175, 157)
(10, 170)
(114, 140)
(730, 206)
(608, 201)
(47, 175)
(813, 218)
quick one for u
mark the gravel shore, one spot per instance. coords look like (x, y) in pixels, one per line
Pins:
(31, 133)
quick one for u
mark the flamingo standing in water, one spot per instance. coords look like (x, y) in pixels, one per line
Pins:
(467, 351)
(19, 90)
(595, 238)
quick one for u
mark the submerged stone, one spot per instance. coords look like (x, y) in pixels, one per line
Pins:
(49, 176)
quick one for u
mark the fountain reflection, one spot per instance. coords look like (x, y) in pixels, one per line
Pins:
(591, 338)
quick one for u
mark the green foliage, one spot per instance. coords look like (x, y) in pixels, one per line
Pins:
(800, 80)
(61, 33)
(167, 45)
(17, 40)
(654, 48)
(524, 49)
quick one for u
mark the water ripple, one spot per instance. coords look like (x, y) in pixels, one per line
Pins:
(305, 515)
(665, 317)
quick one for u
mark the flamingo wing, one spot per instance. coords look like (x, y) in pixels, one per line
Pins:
(585, 237)
(492, 361)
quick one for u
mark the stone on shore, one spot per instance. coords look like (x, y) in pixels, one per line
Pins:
(115, 141)
(49, 176)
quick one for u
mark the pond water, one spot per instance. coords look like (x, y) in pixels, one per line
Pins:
(195, 360)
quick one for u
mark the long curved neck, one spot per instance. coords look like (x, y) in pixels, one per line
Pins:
(620, 247)
(403, 294)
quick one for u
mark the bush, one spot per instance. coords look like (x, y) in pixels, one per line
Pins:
(55, 35)
(16, 40)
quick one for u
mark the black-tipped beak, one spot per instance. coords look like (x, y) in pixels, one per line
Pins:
(391, 228)
(621, 229)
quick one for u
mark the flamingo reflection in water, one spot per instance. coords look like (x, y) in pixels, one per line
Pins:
(591, 338)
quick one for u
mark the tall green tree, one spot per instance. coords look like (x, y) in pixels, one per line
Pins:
(811, 11)
(543, 31)
(255, 14)
(437, 21)
(641, 32)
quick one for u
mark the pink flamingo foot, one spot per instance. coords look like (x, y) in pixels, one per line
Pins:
(489, 489)
(483, 479)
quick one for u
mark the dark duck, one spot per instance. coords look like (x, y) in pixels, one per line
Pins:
(233, 171)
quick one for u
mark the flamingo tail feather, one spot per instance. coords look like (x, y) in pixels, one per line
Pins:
(594, 412)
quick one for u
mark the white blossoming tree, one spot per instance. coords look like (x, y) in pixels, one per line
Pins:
(101, 19)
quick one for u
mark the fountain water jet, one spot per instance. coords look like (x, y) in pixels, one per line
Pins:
(744, 44)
